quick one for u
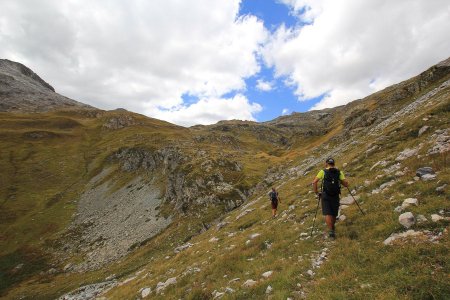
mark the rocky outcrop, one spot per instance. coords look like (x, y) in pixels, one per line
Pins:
(22, 90)
(182, 188)
(119, 121)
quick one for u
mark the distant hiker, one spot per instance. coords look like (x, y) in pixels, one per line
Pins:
(274, 198)
(332, 179)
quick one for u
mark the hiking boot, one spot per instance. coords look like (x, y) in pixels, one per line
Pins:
(332, 234)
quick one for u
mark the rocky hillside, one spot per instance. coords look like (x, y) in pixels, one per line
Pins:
(121, 206)
(22, 90)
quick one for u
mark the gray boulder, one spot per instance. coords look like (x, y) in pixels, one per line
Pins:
(410, 201)
(441, 189)
(407, 219)
(161, 286)
(428, 177)
(145, 292)
(407, 153)
(249, 283)
(424, 170)
(348, 200)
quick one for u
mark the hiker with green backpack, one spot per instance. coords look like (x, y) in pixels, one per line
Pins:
(332, 179)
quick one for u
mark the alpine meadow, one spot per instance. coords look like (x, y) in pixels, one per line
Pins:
(98, 204)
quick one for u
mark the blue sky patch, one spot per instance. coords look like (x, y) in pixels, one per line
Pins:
(281, 97)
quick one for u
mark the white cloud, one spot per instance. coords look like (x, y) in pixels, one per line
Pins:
(264, 86)
(352, 48)
(285, 111)
(209, 111)
(134, 54)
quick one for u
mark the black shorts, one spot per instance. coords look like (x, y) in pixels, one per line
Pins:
(274, 204)
(330, 205)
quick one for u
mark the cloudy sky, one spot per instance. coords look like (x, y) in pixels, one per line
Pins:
(201, 61)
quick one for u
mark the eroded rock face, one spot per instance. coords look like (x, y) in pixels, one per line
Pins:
(181, 190)
(119, 121)
(110, 224)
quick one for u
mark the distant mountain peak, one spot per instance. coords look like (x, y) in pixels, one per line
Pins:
(22, 90)
(15, 67)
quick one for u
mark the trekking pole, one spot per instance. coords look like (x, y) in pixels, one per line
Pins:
(315, 215)
(355, 201)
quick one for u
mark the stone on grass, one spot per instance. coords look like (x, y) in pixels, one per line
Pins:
(67, 267)
(249, 283)
(342, 218)
(410, 201)
(398, 209)
(436, 218)
(310, 273)
(423, 130)
(267, 274)
(110, 277)
(395, 236)
(407, 153)
(254, 235)
(421, 219)
(213, 239)
(381, 163)
(222, 225)
(407, 219)
(183, 247)
(348, 200)
(161, 286)
(399, 173)
(424, 170)
(269, 290)
(441, 188)
(145, 292)
(428, 177)
(245, 212)
(217, 294)
(229, 290)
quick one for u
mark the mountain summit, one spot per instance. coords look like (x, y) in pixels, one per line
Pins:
(22, 90)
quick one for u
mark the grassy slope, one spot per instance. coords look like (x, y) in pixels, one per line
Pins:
(34, 210)
(359, 265)
(46, 160)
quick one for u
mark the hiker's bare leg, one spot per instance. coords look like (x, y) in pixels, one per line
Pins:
(330, 220)
(274, 212)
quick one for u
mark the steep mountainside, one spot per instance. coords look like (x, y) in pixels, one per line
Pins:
(22, 90)
(117, 205)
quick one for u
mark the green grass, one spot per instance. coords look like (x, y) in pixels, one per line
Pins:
(46, 175)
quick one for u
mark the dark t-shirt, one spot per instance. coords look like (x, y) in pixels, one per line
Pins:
(273, 196)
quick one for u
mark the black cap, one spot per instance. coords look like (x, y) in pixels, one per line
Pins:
(330, 161)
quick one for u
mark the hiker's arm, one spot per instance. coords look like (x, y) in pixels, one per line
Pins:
(344, 182)
(316, 180)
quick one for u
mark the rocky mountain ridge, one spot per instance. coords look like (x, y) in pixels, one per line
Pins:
(22, 90)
